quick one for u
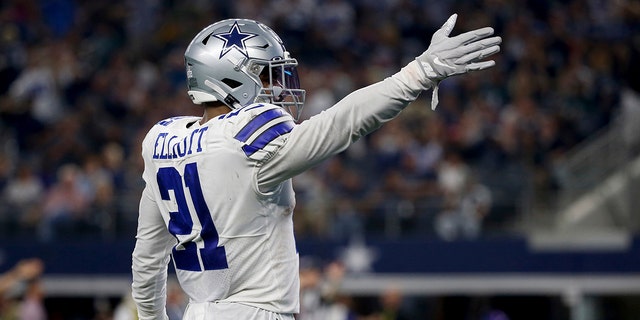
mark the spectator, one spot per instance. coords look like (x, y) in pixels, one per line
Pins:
(126, 308)
(320, 298)
(21, 195)
(32, 304)
(20, 291)
(392, 307)
(65, 204)
(463, 218)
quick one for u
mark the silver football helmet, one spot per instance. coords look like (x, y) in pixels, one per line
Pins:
(241, 61)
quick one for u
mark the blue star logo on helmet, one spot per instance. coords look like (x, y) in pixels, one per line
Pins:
(235, 38)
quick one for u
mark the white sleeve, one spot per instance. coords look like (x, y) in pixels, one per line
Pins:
(150, 259)
(334, 129)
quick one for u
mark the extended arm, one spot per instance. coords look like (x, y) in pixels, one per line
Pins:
(334, 129)
(365, 110)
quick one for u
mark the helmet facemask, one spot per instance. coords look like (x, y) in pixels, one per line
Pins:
(281, 86)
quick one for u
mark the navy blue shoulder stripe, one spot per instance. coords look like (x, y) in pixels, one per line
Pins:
(256, 123)
(267, 136)
(259, 105)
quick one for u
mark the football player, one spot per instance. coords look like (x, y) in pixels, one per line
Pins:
(218, 200)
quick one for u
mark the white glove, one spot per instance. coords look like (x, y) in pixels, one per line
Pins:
(447, 56)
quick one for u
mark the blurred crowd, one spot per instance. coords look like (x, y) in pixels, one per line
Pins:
(81, 82)
(23, 296)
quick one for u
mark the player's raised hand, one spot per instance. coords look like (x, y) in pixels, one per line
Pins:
(448, 56)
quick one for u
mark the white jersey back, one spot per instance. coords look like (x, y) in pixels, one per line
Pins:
(233, 242)
(229, 241)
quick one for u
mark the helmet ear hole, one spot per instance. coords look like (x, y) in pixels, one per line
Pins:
(231, 83)
(206, 39)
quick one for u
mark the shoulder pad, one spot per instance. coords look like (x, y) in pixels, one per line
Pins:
(260, 127)
(166, 124)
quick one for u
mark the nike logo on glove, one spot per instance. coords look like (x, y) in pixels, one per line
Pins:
(437, 61)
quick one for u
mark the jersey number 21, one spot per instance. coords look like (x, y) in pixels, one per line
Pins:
(191, 258)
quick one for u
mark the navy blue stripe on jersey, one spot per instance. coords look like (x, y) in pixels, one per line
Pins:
(267, 136)
(256, 123)
(259, 105)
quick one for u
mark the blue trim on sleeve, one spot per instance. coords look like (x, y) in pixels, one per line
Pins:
(267, 136)
(256, 123)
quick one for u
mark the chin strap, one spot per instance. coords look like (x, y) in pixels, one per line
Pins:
(228, 99)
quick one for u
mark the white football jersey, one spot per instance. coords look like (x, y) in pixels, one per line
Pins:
(219, 200)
